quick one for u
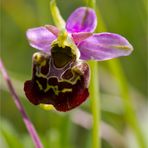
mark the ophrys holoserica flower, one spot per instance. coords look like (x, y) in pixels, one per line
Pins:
(60, 72)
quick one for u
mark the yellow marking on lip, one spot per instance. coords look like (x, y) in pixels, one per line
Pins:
(39, 85)
(66, 90)
(56, 90)
(68, 81)
(47, 106)
(39, 74)
(43, 63)
(38, 58)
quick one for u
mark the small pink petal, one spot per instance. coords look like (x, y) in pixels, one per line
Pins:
(78, 37)
(54, 30)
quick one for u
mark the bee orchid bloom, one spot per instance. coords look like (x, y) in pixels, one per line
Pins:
(60, 72)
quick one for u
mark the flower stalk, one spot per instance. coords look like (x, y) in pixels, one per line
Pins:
(117, 71)
(95, 97)
(95, 104)
(130, 114)
(58, 20)
(20, 107)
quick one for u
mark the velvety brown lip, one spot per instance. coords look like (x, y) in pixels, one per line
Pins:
(64, 88)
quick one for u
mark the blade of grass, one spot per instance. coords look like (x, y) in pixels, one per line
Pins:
(117, 70)
(130, 113)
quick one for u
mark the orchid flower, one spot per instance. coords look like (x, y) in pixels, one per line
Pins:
(60, 72)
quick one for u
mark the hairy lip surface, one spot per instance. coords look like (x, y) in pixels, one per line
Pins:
(64, 88)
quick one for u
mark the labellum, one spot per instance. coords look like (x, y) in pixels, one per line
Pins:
(59, 79)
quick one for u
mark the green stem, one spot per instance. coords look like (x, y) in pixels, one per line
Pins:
(58, 20)
(130, 114)
(95, 104)
(91, 3)
(95, 96)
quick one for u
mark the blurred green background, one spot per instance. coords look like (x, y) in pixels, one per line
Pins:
(67, 130)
